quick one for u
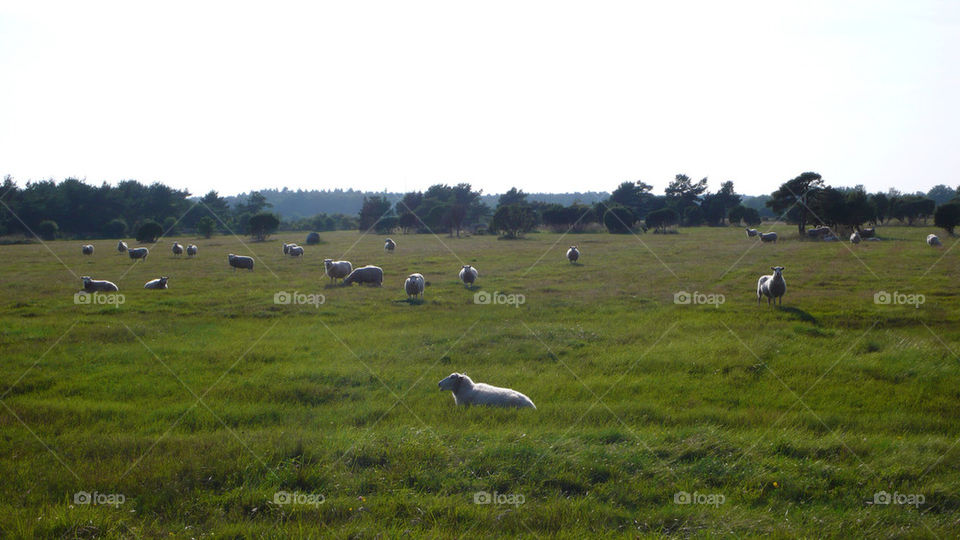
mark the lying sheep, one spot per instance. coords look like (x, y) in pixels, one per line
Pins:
(389, 245)
(768, 237)
(752, 232)
(337, 269)
(138, 253)
(414, 285)
(772, 286)
(868, 232)
(239, 261)
(122, 247)
(855, 238)
(365, 274)
(191, 250)
(466, 393)
(573, 254)
(98, 285)
(177, 249)
(159, 283)
(295, 251)
(830, 238)
(818, 232)
(933, 240)
(468, 275)
(87, 249)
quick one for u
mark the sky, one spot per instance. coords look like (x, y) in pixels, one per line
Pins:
(547, 96)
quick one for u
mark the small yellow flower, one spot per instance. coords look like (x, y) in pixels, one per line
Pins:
(776, 484)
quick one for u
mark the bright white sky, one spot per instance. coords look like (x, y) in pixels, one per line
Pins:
(546, 96)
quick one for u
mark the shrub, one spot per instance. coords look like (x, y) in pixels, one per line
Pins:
(48, 229)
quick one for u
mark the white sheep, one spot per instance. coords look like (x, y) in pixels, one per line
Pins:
(768, 237)
(192, 250)
(98, 285)
(87, 249)
(933, 240)
(466, 393)
(573, 254)
(295, 251)
(159, 283)
(855, 238)
(286, 248)
(818, 232)
(177, 249)
(239, 261)
(468, 275)
(752, 232)
(138, 253)
(365, 274)
(414, 285)
(772, 286)
(122, 247)
(337, 269)
(389, 246)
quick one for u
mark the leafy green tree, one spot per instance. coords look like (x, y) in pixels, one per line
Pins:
(693, 216)
(660, 220)
(742, 214)
(262, 225)
(947, 216)
(149, 231)
(941, 194)
(683, 192)
(513, 196)
(619, 220)
(116, 228)
(170, 225)
(374, 209)
(513, 220)
(881, 207)
(48, 229)
(206, 226)
(794, 196)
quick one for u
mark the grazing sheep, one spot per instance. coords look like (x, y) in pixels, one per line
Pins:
(868, 232)
(122, 247)
(752, 232)
(389, 245)
(240, 261)
(772, 286)
(573, 254)
(365, 274)
(414, 285)
(468, 275)
(295, 251)
(286, 248)
(768, 237)
(466, 393)
(830, 238)
(98, 285)
(933, 240)
(855, 238)
(192, 250)
(138, 253)
(818, 232)
(159, 283)
(337, 269)
(177, 249)
(87, 249)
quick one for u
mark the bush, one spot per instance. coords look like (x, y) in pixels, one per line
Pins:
(262, 225)
(206, 226)
(740, 213)
(117, 228)
(660, 219)
(947, 216)
(693, 216)
(48, 229)
(313, 239)
(149, 231)
(513, 220)
(169, 225)
(619, 220)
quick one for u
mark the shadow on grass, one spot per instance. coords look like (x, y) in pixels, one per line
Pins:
(799, 314)
(411, 301)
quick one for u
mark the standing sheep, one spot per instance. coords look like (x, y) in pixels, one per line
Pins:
(752, 232)
(466, 393)
(389, 246)
(122, 247)
(295, 251)
(414, 285)
(192, 250)
(772, 286)
(337, 269)
(98, 285)
(768, 237)
(286, 248)
(933, 240)
(87, 249)
(365, 274)
(138, 253)
(239, 261)
(468, 275)
(573, 254)
(159, 283)
(177, 249)
(855, 238)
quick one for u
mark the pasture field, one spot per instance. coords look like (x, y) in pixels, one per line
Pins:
(209, 410)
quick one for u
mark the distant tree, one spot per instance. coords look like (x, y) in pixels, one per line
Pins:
(881, 207)
(910, 208)
(513, 196)
(633, 195)
(116, 228)
(857, 209)
(48, 229)
(262, 225)
(206, 226)
(374, 209)
(947, 216)
(149, 231)
(751, 216)
(941, 194)
(254, 204)
(216, 205)
(693, 216)
(170, 225)
(513, 220)
(619, 219)
(794, 196)
(683, 192)
(660, 219)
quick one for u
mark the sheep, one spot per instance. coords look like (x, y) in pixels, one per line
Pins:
(192, 250)
(855, 238)
(830, 238)
(868, 232)
(159, 283)
(414, 285)
(138, 253)
(389, 246)
(295, 251)
(772, 286)
(337, 269)
(466, 393)
(752, 232)
(365, 274)
(87, 249)
(768, 237)
(239, 261)
(573, 254)
(468, 275)
(98, 285)
(122, 247)
(177, 249)
(286, 248)
(818, 232)
(933, 240)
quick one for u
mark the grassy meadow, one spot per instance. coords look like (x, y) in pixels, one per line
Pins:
(209, 410)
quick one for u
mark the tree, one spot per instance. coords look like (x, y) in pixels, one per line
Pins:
(682, 192)
(619, 219)
(205, 226)
(48, 229)
(513, 220)
(149, 231)
(793, 197)
(374, 209)
(255, 203)
(116, 228)
(941, 194)
(881, 207)
(262, 225)
(693, 216)
(659, 220)
(947, 216)
(169, 225)
(513, 196)
(217, 206)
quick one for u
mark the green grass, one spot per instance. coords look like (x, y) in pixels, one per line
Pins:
(199, 403)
